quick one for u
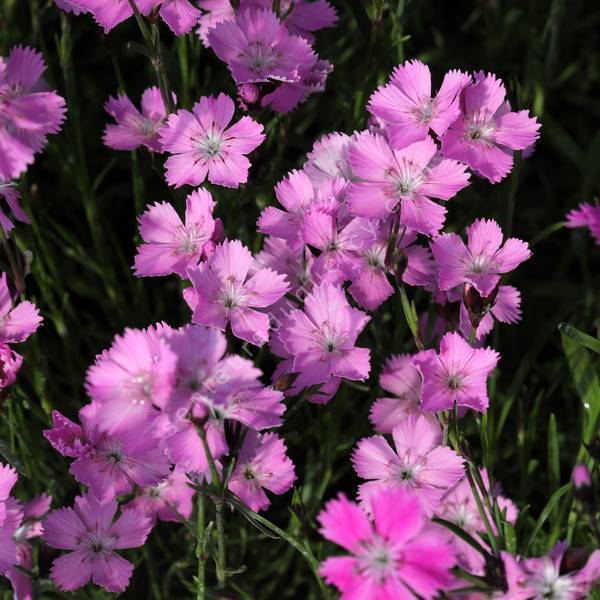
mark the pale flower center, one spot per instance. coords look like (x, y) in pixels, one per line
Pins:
(480, 127)
(407, 180)
(259, 56)
(376, 560)
(140, 388)
(551, 586)
(211, 144)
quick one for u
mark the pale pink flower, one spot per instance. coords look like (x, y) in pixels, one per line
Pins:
(397, 555)
(202, 145)
(487, 134)
(587, 215)
(13, 515)
(328, 159)
(262, 465)
(9, 192)
(8, 479)
(297, 195)
(403, 380)
(419, 461)
(88, 531)
(28, 113)
(171, 246)
(133, 375)
(387, 180)
(224, 293)
(213, 12)
(481, 262)
(109, 463)
(408, 108)
(258, 48)
(457, 375)
(135, 128)
(17, 321)
(543, 577)
(322, 338)
(169, 500)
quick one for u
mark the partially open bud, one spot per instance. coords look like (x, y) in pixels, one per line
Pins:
(476, 304)
(582, 484)
(249, 94)
(573, 559)
(284, 382)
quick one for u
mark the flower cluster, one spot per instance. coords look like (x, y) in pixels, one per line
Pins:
(29, 112)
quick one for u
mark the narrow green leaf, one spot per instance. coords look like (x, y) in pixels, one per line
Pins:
(553, 454)
(546, 513)
(462, 534)
(583, 339)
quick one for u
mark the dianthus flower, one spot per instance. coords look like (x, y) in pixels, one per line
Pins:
(409, 110)
(109, 463)
(135, 128)
(9, 192)
(328, 159)
(397, 555)
(407, 179)
(322, 337)
(202, 145)
(88, 531)
(13, 515)
(28, 113)
(419, 462)
(224, 293)
(8, 479)
(458, 374)
(171, 246)
(262, 465)
(17, 322)
(485, 136)
(587, 215)
(133, 375)
(543, 577)
(482, 261)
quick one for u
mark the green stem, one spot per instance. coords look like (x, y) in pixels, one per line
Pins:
(200, 524)
(221, 550)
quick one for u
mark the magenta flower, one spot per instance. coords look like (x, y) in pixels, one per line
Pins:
(322, 337)
(262, 465)
(135, 128)
(9, 192)
(482, 261)
(408, 108)
(487, 134)
(133, 375)
(419, 462)
(223, 293)
(17, 322)
(297, 195)
(581, 477)
(13, 515)
(395, 556)
(180, 15)
(258, 48)
(544, 577)
(88, 531)
(110, 464)
(402, 379)
(458, 374)
(587, 215)
(171, 246)
(213, 12)
(11, 362)
(387, 179)
(202, 145)
(169, 500)
(28, 113)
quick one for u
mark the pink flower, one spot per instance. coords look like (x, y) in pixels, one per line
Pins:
(328, 159)
(419, 462)
(482, 261)
(88, 531)
(8, 479)
(486, 135)
(17, 322)
(30, 527)
(223, 293)
(398, 555)
(171, 246)
(258, 48)
(321, 338)
(387, 179)
(408, 108)
(28, 113)
(201, 145)
(180, 15)
(135, 128)
(262, 465)
(70, 6)
(587, 215)
(403, 380)
(581, 477)
(458, 374)
(110, 464)
(13, 515)
(9, 192)
(213, 12)
(10, 363)
(169, 500)
(544, 577)
(109, 13)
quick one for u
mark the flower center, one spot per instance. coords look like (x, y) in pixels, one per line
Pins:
(140, 388)
(211, 144)
(454, 382)
(480, 127)
(376, 560)
(479, 264)
(259, 56)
